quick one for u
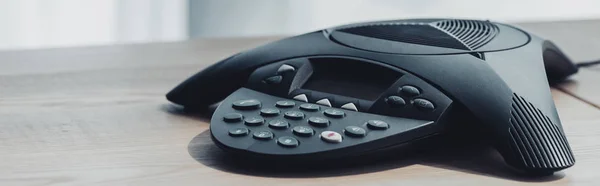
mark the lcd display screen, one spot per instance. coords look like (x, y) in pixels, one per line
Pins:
(351, 78)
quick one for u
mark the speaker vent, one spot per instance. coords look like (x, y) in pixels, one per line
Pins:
(422, 34)
(539, 142)
(473, 34)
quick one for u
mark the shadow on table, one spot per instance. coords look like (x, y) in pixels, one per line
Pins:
(474, 159)
(458, 155)
(203, 114)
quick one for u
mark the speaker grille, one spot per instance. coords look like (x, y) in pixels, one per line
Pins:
(422, 34)
(539, 142)
(473, 34)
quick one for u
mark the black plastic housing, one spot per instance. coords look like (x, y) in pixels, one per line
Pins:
(499, 75)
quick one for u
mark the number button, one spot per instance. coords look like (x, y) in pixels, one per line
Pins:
(232, 117)
(278, 124)
(377, 125)
(285, 104)
(334, 113)
(309, 107)
(303, 131)
(254, 121)
(238, 132)
(318, 121)
(331, 137)
(263, 135)
(248, 104)
(295, 115)
(269, 112)
(287, 141)
(354, 131)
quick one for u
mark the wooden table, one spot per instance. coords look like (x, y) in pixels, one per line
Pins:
(98, 116)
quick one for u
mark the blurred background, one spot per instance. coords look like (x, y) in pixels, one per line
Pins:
(32, 24)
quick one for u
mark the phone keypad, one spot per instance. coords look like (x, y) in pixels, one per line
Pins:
(279, 126)
(294, 115)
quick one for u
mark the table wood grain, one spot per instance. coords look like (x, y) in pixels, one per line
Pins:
(98, 116)
(581, 42)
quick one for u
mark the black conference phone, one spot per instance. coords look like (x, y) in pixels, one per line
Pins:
(359, 88)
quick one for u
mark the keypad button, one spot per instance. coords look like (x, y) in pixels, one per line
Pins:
(263, 135)
(334, 113)
(294, 115)
(232, 117)
(423, 104)
(247, 104)
(354, 131)
(309, 107)
(285, 104)
(254, 121)
(377, 125)
(269, 112)
(273, 80)
(278, 124)
(285, 68)
(238, 132)
(288, 141)
(301, 97)
(395, 101)
(410, 91)
(318, 121)
(331, 137)
(303, 131)
(349, 106)
(325, 102)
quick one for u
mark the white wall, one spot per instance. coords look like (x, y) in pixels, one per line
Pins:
(63, 23)
(284, 17)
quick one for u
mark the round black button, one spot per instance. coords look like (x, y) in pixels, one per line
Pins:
(294, 115)
(288, 141)
(303, 131)
(318, 121)
(377, 125)
(232, 117)
(254, 121)
(278, 124)
(334, 113)
(423, 104)
(285, 104)
(273, 80)
(395, 101)
(409, 90)
(238, 132)
(247, 104)
(309, 107)
(263, 135)
(354, 131)
(269, 112)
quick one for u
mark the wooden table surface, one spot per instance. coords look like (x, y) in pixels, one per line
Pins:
(98, 116)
